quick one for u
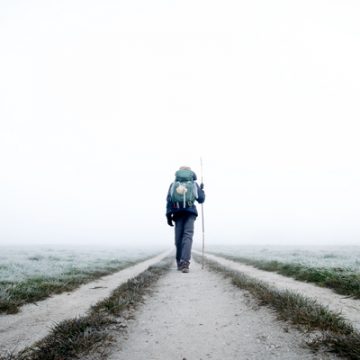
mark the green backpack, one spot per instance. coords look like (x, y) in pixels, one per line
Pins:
(183, 190)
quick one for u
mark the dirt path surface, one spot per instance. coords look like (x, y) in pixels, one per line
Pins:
(200, 316)
(348, 307)
(34, 321)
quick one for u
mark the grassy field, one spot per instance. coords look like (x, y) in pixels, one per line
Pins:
(30, 274)
(337, 268)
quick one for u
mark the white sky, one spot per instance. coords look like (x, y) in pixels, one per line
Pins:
(101, 101)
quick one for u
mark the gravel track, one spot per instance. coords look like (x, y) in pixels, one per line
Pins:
(201, 315)
(197, 316)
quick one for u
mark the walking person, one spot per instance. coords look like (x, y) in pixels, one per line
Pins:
(181, 209)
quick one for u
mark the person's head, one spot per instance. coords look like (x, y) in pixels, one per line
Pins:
(185, 168)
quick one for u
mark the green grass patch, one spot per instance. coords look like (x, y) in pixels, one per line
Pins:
(14, 295)
(337, 335)
(340, 280)
(70, 338)
(346, 346)
(82, 336)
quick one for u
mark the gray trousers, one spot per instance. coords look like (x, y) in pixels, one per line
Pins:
(184, 231)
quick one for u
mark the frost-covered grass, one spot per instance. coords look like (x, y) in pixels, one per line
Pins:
(337, 268)
(29, 274)
(345, 257)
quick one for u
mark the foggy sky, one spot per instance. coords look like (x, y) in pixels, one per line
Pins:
(101, 102)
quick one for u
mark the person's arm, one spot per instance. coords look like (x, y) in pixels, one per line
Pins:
(169, 215)
(201, 193)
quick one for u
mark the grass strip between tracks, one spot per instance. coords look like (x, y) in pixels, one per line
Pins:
(333, 332)
(91, 333)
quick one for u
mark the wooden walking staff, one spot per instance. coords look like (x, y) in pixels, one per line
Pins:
(202, 219)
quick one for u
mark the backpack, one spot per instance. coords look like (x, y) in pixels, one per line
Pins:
(183, 190)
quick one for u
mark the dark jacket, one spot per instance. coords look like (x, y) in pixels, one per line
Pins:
(179, 211)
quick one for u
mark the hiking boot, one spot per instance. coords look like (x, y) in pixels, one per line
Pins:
(185, 268)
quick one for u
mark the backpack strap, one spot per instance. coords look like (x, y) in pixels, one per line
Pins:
(196, 193)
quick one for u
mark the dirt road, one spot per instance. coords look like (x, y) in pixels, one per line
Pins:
(202, 316)
(197, 316)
